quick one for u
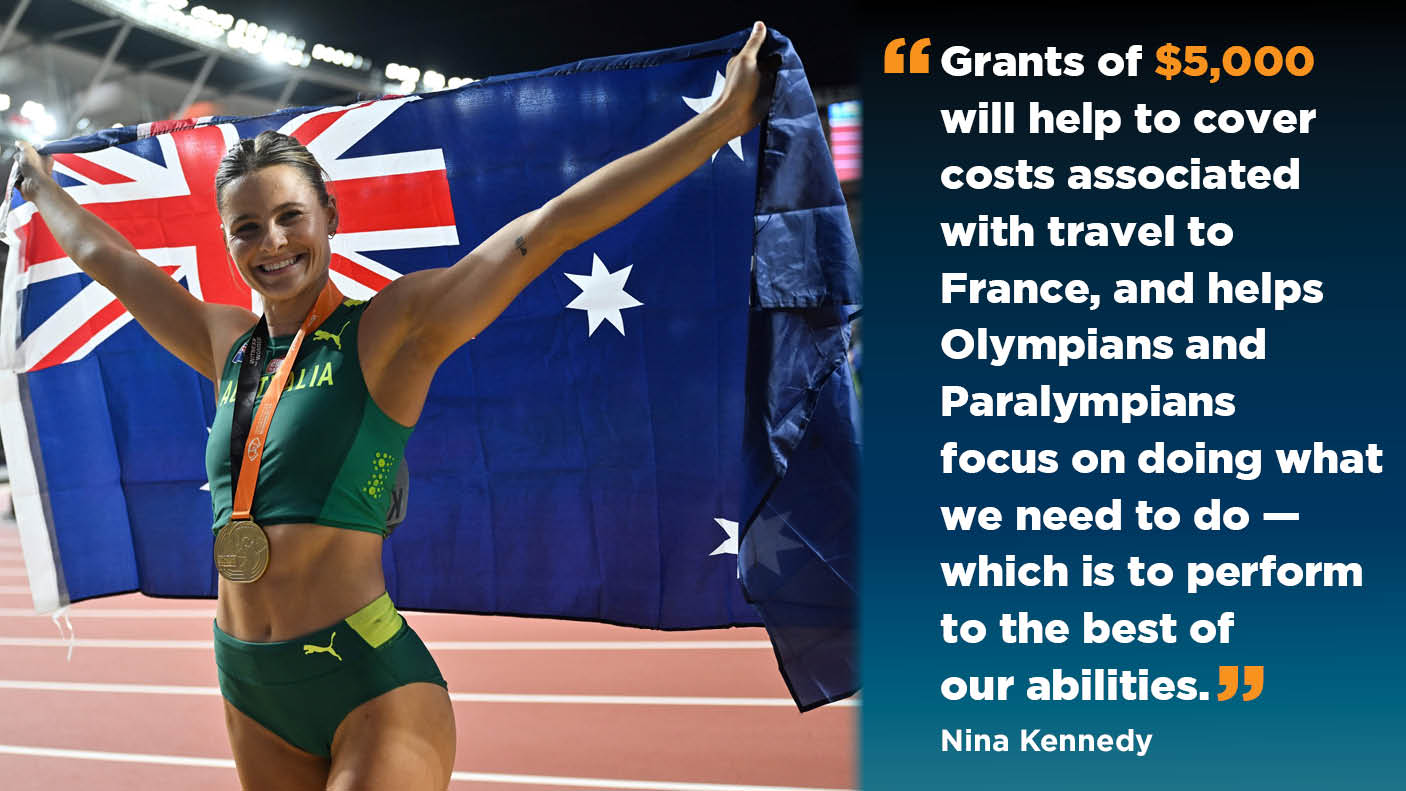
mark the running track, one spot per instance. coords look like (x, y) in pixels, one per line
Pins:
(541, 705)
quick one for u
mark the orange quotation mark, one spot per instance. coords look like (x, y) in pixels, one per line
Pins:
(1230, 679)
(917, 59)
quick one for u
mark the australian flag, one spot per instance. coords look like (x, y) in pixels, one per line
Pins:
(661, 431)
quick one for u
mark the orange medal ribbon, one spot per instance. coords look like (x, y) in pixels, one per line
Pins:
(241, 547)
(327, 302)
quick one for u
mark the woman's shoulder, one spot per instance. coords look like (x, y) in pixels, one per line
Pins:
(352, 306)
(229, 325)
(381, 316)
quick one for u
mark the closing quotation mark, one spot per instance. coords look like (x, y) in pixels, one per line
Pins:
(917, 60)
(1230, 679)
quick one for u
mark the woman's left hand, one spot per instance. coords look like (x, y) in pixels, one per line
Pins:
(742, 101)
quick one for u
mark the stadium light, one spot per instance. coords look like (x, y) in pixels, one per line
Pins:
(213, 17)
(336, 56)
(4, 102)
(399, 73)
(43, 124)
(212, 28)
(169, 15)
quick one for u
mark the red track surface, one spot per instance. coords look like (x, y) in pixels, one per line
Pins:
(130, 738)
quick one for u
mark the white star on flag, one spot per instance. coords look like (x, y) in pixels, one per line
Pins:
(729, 545)
(702, 103)
(764, 542)
(205, 487)
(602, 295)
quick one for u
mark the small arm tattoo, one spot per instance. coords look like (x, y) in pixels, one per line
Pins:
(521, 243)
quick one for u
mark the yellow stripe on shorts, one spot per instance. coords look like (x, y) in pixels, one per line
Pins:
(377, 622)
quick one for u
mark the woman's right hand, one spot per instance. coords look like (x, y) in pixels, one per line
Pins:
(197, 333)
(35, 169)
(744, 101)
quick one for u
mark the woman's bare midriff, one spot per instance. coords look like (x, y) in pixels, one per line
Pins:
(317, 575)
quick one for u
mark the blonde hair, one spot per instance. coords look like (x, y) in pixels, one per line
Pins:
(268, 149)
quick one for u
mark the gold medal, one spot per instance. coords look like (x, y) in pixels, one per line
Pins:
(241, 551)
(242, 547)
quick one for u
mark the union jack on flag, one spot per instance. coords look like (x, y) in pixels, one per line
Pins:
(659, 431)
(158, 192)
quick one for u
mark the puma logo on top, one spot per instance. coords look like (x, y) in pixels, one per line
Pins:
(324, 335)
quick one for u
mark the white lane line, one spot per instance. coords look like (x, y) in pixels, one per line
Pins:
(142, 689)
(93, 642)
(457, 697)
(623, 785)
(597, 645)
(470, 777)
(21, 612)
(129, 758)
(85, 611)
(13, 573)
(80, 611)
(15, 589)
(449, 645)
(628, 700)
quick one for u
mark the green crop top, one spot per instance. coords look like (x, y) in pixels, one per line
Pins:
(331, 453)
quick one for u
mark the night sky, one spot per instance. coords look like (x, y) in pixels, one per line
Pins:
(480, 39)
(483, 39)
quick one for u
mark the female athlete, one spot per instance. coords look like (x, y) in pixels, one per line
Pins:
(325, 685)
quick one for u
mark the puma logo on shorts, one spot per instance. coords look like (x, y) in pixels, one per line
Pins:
(322, 649)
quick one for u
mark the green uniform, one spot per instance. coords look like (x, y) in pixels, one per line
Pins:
(302, 689)
(331, 453)
(330, 459)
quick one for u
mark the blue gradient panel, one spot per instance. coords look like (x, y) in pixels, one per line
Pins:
(1333, 699)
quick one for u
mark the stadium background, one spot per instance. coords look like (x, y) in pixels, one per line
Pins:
(586, 706)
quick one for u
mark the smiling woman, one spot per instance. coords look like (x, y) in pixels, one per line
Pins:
(277, 216)
(325, 684)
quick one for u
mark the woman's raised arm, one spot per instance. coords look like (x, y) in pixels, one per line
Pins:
(178, 321)
(432, 313)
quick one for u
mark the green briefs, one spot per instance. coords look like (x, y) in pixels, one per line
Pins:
(302, 689)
